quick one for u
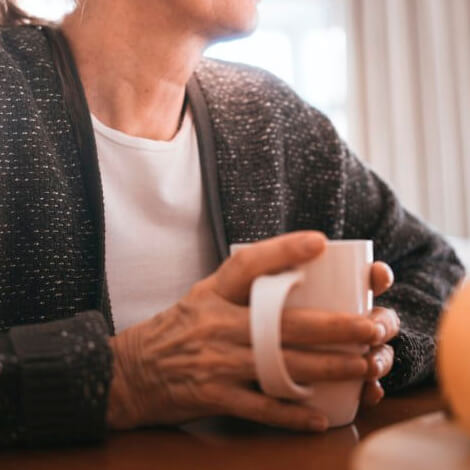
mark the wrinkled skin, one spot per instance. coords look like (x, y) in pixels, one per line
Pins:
(195, 360)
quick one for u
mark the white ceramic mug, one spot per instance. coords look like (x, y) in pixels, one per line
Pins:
(336, 281)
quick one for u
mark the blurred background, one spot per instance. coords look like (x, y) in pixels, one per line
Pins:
(392, 75)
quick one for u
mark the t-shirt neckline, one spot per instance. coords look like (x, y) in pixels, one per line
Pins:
(142, 143)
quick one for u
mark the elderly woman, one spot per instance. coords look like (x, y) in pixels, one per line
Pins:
(113, 119)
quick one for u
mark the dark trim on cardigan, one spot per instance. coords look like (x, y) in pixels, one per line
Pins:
(80, 117)
(207, 156)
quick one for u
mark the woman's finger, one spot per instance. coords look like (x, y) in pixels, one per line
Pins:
(309, 327)
(301, 328)
(309, 367)
(381, 278)
(380, 361)
(387, 324)
(234, 278)
(254, 406)
(372, 394)
(237, 363)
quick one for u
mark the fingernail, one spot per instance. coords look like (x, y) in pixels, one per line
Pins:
(318, 423)
(380, 332)
(380, 396)
(397, 322)
(380, 366)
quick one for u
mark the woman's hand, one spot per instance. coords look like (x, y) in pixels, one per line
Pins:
(381, 355)
(195, 359)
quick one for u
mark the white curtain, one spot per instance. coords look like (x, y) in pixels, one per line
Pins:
(410, 102)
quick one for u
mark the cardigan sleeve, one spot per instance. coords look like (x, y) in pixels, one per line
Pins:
(54, 381)
(426, 268)
(324, 186)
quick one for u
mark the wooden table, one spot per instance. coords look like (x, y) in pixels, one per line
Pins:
(227, 444)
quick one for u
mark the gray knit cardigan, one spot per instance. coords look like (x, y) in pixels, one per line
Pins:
(270, 163)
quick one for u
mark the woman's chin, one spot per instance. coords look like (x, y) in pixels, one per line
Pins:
(237, 29)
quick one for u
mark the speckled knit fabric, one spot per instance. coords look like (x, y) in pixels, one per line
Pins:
(281, 167)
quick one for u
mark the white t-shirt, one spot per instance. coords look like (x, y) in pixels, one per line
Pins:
(158, 238)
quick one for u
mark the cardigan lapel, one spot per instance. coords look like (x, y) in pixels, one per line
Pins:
(75, 100)
(207, 156)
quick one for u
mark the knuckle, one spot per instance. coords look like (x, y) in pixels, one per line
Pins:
(224, 331)
(200, 298)
(200, 324)
(200, 375)
(207, 366)
(208, 328)
(242, 262)
(329, 368)
(361, 366)
(198, 291)
(351, 367)
(188, 312)
(366, 328)
(372, 365)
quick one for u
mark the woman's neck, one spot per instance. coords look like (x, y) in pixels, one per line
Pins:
(134, 71)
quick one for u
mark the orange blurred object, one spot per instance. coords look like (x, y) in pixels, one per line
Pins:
(454, 354)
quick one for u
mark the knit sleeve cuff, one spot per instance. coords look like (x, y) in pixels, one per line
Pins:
(414, 360)
(65, 372)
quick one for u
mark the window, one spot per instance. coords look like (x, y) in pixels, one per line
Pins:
(304, 43)
(51, 10)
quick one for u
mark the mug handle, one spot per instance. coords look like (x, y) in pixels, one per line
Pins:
(267, 298)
